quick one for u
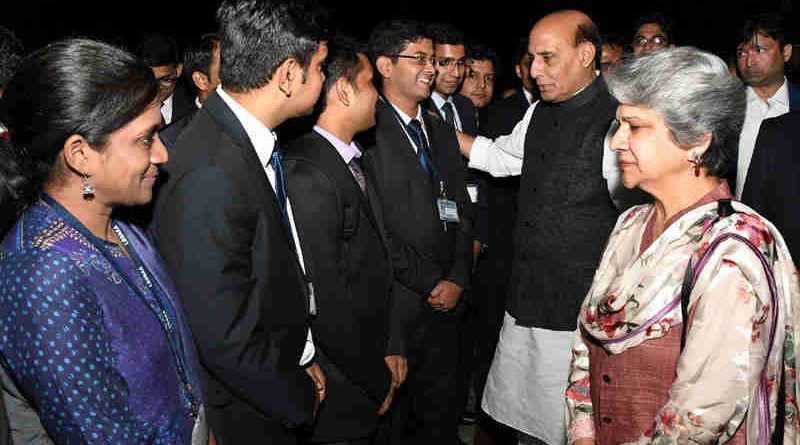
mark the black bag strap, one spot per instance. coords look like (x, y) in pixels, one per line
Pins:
(724, 210)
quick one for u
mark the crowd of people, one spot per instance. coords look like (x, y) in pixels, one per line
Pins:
(284, 235)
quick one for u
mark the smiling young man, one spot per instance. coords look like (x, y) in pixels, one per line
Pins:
(451, 58)
(420, 178)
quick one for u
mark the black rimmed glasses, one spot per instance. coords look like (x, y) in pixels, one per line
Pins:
(419, 59)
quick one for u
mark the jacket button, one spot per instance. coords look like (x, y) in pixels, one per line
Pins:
(606, 378)
(606, 420)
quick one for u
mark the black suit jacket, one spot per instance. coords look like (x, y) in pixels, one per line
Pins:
(408, 199)
(773, 184)
(220, 230)
(182, 101)
(467, 113)
(348, 260)
(503, 114)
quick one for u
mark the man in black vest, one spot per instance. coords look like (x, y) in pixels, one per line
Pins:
(565, 215)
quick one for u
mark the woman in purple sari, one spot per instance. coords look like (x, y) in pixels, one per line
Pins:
(91, 331)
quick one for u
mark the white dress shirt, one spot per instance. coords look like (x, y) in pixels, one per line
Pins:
(405, 119)
(504, 155)
(757, 111)
(439, 101)
(166, 109)
(263, 140)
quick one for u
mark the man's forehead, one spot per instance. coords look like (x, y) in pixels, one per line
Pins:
(484, 66)
(650, 29)
(450, 50)
(423, 44)
(759, 38)
(550, 36)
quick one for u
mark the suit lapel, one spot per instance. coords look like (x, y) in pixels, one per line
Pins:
(222, 114)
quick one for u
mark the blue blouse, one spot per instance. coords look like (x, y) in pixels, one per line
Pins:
(80, 336)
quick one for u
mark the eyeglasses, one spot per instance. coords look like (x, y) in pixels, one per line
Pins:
(419, 59)
(655, 40)
(449, 61)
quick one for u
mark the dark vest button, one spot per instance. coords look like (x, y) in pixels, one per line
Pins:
(526, 223)
(606, 378)
(606, 420)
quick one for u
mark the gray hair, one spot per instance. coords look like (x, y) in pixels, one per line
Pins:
(695, 94)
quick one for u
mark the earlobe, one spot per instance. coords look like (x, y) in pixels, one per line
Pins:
(787, 52)
(343, 91)
(587, 54)
(384, 65)
(180, 69)
(285, 77)
(76, 152)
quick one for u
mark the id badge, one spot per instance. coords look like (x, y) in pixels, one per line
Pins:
(472, 191)
(448, 210)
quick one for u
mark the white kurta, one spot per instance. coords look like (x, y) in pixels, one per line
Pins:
(526, 383)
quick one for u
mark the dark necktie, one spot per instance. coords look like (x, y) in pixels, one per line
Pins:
(449, 114)
(280, 190)
(358, 173)
(415, 130)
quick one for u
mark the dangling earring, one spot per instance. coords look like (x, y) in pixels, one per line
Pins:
(87, 188)
(695, 160)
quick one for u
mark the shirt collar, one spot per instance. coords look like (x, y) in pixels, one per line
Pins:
(781, 96)
(166, 108)
(439, 101)
(406, 118)
(197, 102)
(528, 95)
(262, 138)
(346, 151)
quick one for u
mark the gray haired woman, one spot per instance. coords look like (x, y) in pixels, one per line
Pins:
(687, 330)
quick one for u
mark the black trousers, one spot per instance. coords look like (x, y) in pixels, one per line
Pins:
(237, 423)
(428, 407)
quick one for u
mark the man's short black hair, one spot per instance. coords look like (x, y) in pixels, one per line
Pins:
(342, 62)
(393, 36)
(771, 24)
(613, 39)
(588, 32)
(198, 55)
(158, 50)
(520, 49)
(445, 34)
(480, 51)
(662, 20)
(256, 36)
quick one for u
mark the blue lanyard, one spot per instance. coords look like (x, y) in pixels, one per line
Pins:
(436, 175)
(160, 305)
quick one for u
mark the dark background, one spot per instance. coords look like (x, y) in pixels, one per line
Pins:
(710, 25)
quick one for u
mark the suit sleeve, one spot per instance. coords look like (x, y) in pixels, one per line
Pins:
(206, 235)
(461, 268)
(318, 214)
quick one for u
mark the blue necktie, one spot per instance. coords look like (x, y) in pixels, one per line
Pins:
(280, 191)
(449, 114)
(415, 130)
